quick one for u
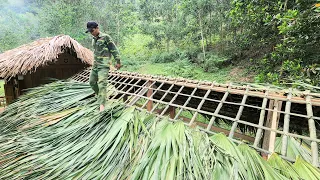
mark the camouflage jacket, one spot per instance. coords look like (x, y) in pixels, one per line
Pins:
(103, 48)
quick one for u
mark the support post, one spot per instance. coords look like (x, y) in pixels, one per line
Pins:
(172, 112)
(149, 94)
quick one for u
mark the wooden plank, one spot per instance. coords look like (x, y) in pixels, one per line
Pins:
(274, 125)
(266, 134)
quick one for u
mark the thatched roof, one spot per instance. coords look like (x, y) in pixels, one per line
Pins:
(27, 58)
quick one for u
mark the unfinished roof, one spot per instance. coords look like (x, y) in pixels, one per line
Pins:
(27, 58)
(267, 112)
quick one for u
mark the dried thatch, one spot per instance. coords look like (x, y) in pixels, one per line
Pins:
(29, 57)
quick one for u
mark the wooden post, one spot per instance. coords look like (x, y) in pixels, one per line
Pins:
(149, 94)
(274, 125)
(172, 112)
(125, 97)
(272, 122)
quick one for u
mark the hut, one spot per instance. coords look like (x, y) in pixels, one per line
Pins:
(40, 62)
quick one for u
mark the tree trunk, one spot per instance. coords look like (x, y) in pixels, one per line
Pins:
(202, 39)
(118, 28)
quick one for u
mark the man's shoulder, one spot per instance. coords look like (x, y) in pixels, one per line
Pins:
(105, 36)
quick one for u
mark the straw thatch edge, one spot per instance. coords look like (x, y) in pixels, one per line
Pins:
(27, 58)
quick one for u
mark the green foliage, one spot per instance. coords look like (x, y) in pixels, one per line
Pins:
(276, 38)
(183, 68)
(136, 48)
(166, 57)
(16, 28)
(211, 63)
(286, 30)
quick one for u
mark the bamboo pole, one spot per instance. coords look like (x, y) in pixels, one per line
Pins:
(172, 100)
(151, 97)
(239, 113)
(261, 120)
(139, 91)
(186, 103)
(226, 117)
(286, 124)
(213, 118)
(312, 130)
(200, 105)
(232, 103)
(165, 94)
(254, 92)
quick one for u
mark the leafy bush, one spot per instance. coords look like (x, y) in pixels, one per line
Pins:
(183, 68)
(211, 63)
(136, 48)
(130, 64)
(165, 57)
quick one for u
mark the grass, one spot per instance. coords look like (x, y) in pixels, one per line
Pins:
(222, 75)
(1, 88)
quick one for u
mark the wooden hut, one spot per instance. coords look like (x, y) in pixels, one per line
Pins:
(40, 62)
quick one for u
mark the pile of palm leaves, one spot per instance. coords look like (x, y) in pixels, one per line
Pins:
(56, 132)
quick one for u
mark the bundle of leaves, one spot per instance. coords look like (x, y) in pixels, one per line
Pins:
(57, 132)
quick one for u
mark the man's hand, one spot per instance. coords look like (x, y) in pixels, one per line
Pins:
(118, 66)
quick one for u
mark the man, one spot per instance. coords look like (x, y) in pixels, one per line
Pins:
(103, 48)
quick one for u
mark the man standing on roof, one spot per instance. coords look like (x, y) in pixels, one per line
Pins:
(103, 48)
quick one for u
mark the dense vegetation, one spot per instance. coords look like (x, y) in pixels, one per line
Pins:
(275, 39)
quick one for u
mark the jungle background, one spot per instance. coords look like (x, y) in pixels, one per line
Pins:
(261, 41)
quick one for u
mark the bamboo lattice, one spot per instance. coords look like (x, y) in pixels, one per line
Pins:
(204, 104)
